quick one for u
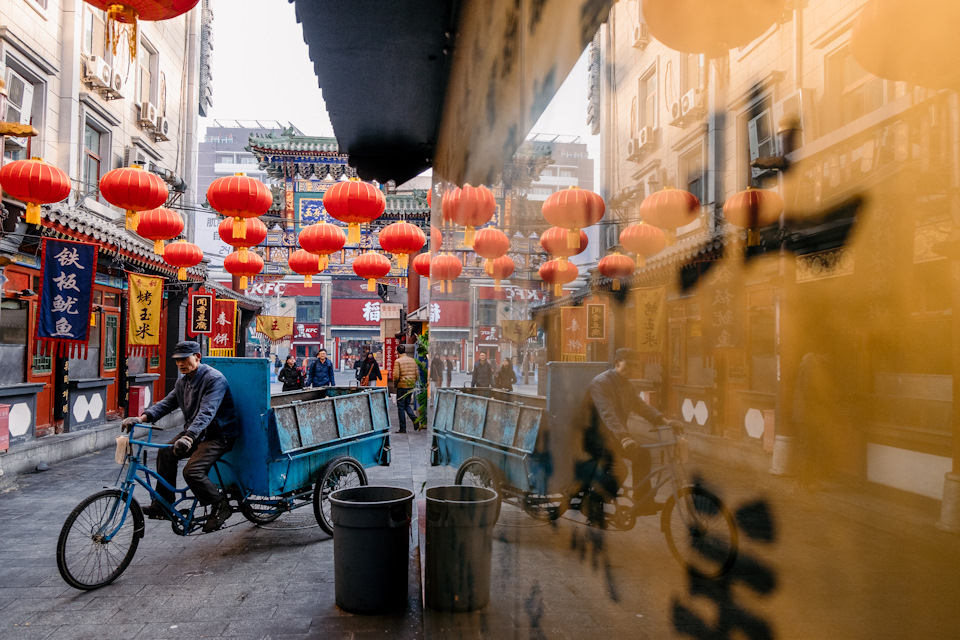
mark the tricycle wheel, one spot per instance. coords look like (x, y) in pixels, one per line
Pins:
(546, 508)
(340, 473)
(478, 472)
(260, 509)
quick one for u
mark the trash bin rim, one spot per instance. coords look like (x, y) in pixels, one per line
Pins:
(492, 497)
(350, 504)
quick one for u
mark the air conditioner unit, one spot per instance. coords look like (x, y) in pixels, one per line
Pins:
(134, 156)
(148, 116)
(802, 105)
(645, 139)
(97, 73)
(633, 149)
(691, 104)
(116, 86)
(162, 132)
(676, 115)
(641, 36)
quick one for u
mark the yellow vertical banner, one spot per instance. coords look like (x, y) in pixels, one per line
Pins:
(573, 334)
(144, 300)
(651, 313)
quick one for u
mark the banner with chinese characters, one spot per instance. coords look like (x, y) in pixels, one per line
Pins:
(573, 323)
(200, 308)
(596, 320)
(721, 290)
(651, 307)
(223, 342)
(144, 300)
(66, 298)
(519, 331)
(274, 328)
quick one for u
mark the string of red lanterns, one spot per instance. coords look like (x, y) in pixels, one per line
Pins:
(752, 209)
(490, 244)
(371, 265)
(255, 234)
(322, 239)
(445, 268)
(306, 264)
(402, 239)
(183, 255)
(573, 209)
(617, 267)
(644, 240)
(555, 242)
(552, 273)
(670, 209)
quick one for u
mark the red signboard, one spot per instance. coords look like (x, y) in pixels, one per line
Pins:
(389, 355)
(306, 332)
(449, 313)
(4, 427)
(488, 335)
(349, 312)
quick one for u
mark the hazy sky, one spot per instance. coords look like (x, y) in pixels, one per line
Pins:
(262, 71)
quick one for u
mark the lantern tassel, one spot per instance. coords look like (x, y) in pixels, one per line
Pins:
(641, 261)
(468, 235)
(573, 239)
(308, 280)
(371, 284)
(353, 233)
(158, 247)
(182, 273)
(323, 262)
(33, 213)
(240, 228)
(403, 260)
(243, 282)
(133, 220)
(616, 284)
(488, 266)
(243, 255)
(558, 290)
(496, 284)
(753, 237)
(670, 235)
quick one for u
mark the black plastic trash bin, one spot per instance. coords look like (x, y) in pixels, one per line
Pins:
(371, 548)
(459, 541)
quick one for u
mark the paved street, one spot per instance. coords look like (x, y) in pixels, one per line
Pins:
(830, 565)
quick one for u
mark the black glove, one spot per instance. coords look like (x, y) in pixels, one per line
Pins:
(183, 444)
(630, 447)
(675, 424)
(128, 423)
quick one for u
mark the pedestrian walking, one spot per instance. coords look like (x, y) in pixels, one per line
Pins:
(506, 376)
(291, 375)
(321, 371)
(482, 372)
(449, 368)
(405, 373)
(370, 371)
(210, 429)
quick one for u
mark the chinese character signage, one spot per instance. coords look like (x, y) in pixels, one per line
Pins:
(201, 313)
(573, 321)
(519, 331)
(274, 328)
(651, 313)
(596, 321)
(66, 297)
(144, 299)
(722, 293)
(389, 355)
(223, 342)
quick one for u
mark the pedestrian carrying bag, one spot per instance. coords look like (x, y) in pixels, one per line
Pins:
(365, 380)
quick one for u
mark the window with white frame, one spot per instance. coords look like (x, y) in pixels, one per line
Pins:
(851, 92)
(691, 65)
(96, 149)
(20, 108)
(147, 60)
(95, 32)
(691, 172)
(648, 100)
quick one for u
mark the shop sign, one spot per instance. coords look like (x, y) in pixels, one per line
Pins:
(596, 321)
(389, 355)
(306, 332)
(488, 335)
(200, 312)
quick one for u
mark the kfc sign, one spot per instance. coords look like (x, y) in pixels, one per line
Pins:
(488, 335)
(306, 332)
(513, 293)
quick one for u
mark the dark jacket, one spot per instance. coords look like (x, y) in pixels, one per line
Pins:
(436, 371)
(610, 400)
(506, 378)
(321, 374)
(371, 368)
(206, 403)
(482, 374)
(291, 377)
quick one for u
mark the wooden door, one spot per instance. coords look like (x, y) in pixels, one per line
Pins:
(110, 357)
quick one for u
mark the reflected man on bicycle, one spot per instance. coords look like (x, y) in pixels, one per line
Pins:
(210, 428)
(610, 400)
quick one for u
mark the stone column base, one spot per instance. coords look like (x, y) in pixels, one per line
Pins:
(950, 507)
(786, 454)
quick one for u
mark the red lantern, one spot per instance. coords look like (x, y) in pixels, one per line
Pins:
(500, 269)
(244, 269)
(490, 243)
(306, 264)
(354, 202)
(445, 268)
(709, 26)
(129, 11)
(256, 233)
(475, 208)
(36, 183)
(573, 209)
(421, 264)
(436, 239)
(552, 273)
(322, 239)
(182, 255)
(402, 239)
(133, 189)
(644, 240)
(752, 209)
(371, 265)
(449, 204)
(617, 267)
(554, 242)
(239, 197)
(159, 225)
(670, 209)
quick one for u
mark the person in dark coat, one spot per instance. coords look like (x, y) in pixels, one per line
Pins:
(291, 375)
(321, 371)
(482, 372)
(436, 372)
(370, 371)
(449, 372)
(506, 377)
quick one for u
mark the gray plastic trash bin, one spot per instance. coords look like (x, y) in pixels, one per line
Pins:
(371, 548)
(459, 541)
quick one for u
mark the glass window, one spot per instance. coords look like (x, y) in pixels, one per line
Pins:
(852, 90)
(13, 322)
(110, 342)
(154, 361)
(20, 91)
(91, 159)
(94, 32)
(146, 65)
(42, 365)
(648, 100)
(309, 310)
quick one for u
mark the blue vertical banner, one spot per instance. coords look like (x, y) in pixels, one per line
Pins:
(66, 297)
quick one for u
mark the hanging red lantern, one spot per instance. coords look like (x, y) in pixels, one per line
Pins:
(133, 189)
(402, 239)
(752, 209)
(256, 233)
(182, 255)
(371, 265)
(490, 243)
(669, 209)
(322, 239)
(306, 264)
(573, 209)
(617, 267)
(551, 273)
(445, 268)
(34, 182)
(354, 202)
(449, 204)
(239, 197)
(554, 242)
(436, 239)
(709, 26)
(644, 240)
(421, 264)
(500, 269)
(159, 225)
(475, 208)
(130, 11)
(243, 269)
